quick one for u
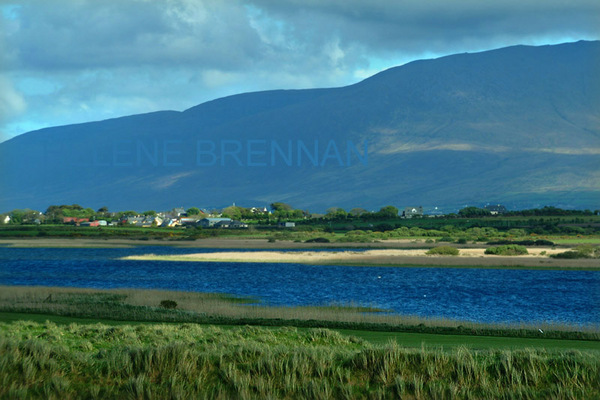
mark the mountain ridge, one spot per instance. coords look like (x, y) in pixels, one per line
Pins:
(437, 131)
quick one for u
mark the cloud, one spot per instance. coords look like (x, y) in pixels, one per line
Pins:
(12, 102)
(76, 60)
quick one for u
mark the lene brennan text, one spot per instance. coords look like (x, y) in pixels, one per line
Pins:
(228, 153)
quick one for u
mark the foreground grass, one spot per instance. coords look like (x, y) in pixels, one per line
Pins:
(190, 361)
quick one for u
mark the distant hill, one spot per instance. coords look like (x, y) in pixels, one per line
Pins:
(518, 126)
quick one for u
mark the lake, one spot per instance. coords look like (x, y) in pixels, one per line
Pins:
(479, 295)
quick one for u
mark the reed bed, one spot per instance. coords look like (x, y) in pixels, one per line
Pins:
(217, 308)
(191, 361)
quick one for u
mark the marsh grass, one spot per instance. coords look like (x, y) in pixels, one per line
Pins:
(44, 360)
(224, 309)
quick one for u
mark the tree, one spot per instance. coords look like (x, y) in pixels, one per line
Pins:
(336, 213)
(103, 210)
(193, 211)
(357, 212)
(388, 212)
(278, 206)
(149, 213)
(233, 212)
(471, 212)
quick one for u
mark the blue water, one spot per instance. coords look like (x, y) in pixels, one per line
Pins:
(481, 295)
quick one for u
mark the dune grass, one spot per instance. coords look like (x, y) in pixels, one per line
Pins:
(191, 361)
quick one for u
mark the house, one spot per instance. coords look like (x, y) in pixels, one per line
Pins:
(149, 221)
(138, 221)
(230, 224)
(188, 221)
(6, 219)
(74, 220)
(495, 209)
(170, 222)
(410, 212)
(211, 222)
(237, 225)
(286, 224)
(179, 212)
(90, 223)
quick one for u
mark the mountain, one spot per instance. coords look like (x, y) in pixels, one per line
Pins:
(518, 126)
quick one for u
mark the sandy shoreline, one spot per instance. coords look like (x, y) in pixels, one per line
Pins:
(387, 257)
(401, 252)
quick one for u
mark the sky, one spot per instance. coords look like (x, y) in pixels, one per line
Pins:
(71, 61)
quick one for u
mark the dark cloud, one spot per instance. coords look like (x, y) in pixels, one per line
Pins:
(90, 34)
(416, 26)
(103, 59)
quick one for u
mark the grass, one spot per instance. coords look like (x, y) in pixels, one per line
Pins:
(191, 361)
(405, 339)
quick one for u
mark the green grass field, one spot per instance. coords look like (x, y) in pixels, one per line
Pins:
(46, 360)
(405, 339)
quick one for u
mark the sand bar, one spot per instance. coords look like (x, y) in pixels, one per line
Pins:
(388, 257)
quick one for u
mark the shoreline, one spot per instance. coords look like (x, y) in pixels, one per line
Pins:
(387, 258)
(385, 253)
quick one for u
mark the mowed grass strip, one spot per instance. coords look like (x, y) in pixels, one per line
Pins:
(191, 361)
(405, 339)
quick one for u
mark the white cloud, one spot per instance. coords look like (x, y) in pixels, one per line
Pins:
(12, 102)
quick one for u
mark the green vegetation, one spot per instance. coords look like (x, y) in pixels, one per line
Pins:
(169, 304)
(443, 251)
(507, 250)
(191, 361)
(318, 240)
(470, 224)
(582, 251)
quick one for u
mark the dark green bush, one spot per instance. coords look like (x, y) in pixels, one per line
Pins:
(168, 304)
(443, 251)
(507, 250)
(570, 255)
(318, 240)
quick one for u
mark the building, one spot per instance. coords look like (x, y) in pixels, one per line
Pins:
(91, 223)
(149, 221)
(495, 209)
(170, 222)
(286, 224)
(74, 220)
(211, 222)
(133, 220)
(237, 225)
(230, 224)
(188, 221)
(410, 212)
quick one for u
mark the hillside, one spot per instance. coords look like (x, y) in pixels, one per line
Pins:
(518, 126)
